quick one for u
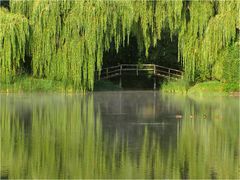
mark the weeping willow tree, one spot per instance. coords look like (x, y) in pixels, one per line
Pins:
(14, 34)
(212, 26)
(67, 39)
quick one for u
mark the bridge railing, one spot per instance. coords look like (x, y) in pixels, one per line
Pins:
(168, 72)
(110, 72)
(157, 70)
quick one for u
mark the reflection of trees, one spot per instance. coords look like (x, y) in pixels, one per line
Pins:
(64, 138)
(208, 141)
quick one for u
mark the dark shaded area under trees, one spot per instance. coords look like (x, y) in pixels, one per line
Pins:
(165, 53)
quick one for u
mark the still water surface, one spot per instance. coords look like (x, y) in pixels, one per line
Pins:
(129, 134)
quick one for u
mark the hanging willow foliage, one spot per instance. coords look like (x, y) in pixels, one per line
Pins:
(14, 32)
(213, 25)
(227, 67)
(68, 38)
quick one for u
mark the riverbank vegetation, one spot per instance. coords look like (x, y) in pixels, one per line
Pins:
(31, 84)
(55, 41)
(176, 86)
(206, 88)
(213, 87)
(224, 79)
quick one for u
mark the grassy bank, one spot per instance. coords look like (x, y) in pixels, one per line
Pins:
(177, 86)
(29, 84)
(201, 89)
(213, 88)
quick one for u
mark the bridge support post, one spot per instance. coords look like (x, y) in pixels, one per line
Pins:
(169, 74)
(154, 83)
(120, 70)
(120, 77)
(120, 82)
(154, 79)
(137, 69)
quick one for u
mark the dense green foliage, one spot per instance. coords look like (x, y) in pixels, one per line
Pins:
(228, 64)
(14, 33)
(67, 39)
(212, 26)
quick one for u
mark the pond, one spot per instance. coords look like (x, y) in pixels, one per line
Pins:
(125, 134)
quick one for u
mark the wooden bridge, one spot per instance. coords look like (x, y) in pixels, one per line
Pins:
(155, 70)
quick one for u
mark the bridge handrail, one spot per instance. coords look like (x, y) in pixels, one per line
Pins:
(140, 65)
(169, 68)
(179, 75)
(112, 71)
(116, 70)
(111, 67)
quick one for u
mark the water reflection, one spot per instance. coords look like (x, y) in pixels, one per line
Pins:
(118, 135)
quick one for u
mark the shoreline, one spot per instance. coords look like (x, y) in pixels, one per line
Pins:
(33, 85)
(207, 88)
(230, 94)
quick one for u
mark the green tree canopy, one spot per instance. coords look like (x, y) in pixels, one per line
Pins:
(66, 39)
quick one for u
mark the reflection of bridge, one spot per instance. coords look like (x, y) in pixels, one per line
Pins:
(156, 70)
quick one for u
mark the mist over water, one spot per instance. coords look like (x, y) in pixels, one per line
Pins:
(124, 134)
